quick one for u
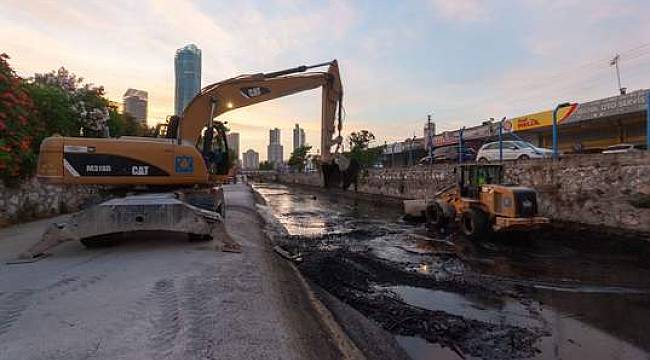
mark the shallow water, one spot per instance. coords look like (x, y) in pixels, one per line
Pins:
(589, 292)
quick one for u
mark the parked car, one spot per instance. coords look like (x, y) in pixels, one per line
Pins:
(620, 148)
(449, 154)
(512, 150)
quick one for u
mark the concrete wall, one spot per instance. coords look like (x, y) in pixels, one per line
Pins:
(610, 190)
(33, 199)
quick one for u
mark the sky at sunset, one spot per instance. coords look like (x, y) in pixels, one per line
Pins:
(462, 60)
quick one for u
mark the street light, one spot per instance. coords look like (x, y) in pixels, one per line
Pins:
(555, 129)
(460, 145)
(647, 121)
(501, 139)
(614, 62)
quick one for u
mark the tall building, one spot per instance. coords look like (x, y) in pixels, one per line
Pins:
(233, 144)
(275, 150)
(135, 103)
(298, 137)
(251, 160)
(187, 67)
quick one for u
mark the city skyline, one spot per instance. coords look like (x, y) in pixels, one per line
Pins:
(464, 61)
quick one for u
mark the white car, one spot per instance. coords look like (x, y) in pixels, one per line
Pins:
(512, 150)
(620, 148)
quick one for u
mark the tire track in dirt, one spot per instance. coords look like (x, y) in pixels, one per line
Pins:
(15, 303)
(71, 284)
(198, 292)
(12, 307)
(168, 321)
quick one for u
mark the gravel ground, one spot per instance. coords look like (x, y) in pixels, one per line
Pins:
(157, 296)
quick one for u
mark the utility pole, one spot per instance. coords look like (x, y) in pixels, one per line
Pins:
(614, 62)
(430, 139)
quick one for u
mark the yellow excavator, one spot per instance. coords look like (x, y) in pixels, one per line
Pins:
(187, 152)
(194, 151)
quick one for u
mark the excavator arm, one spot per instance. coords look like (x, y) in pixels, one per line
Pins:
(246, 90)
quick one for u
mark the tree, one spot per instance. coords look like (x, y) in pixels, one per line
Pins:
(88, 102)
(360, 150)
(54, 109)
(360, 140)
(265, 165)
(298, 158)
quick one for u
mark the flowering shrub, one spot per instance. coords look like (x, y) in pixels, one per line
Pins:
(17, 128)
(87, 101)
(51, 103)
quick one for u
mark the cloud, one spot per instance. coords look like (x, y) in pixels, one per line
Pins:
(461, 10)
(398, 62)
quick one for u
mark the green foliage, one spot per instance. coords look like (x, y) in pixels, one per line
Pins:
(54, 109)
(265, 165)
(86, 101)
(18, 128)
(298, 158)
(360, 150)
(116, 122)
(52, 103)
(360, 140)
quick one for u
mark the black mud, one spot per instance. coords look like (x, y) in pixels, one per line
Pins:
(358, 280)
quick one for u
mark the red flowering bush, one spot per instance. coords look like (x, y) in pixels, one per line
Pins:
(17, 128)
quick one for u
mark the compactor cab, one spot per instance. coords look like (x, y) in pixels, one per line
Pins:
(472, 177)
(481, 203)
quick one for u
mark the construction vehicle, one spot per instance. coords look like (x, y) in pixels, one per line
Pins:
(193, 151)
(481, 204)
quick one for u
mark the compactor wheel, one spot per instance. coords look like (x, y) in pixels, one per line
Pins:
(435, 217)
(475, 224)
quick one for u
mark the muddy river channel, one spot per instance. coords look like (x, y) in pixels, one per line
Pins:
(564, 293)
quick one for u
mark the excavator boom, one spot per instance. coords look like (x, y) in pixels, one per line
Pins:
(247, 90)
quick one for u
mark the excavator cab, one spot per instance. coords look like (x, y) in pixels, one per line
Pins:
(215, 150)
(472, 176)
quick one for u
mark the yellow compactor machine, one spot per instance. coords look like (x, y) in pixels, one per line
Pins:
(480, 203)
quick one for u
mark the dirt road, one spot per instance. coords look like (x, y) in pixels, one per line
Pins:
(157, 296)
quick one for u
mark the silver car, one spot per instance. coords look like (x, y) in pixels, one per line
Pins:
(620, 148)
(512, 150)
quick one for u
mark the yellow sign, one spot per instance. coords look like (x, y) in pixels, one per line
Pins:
(538, 120)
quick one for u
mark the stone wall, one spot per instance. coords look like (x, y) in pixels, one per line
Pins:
(599, 189)
(32, 200)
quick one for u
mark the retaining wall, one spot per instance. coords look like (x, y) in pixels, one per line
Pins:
(32, 200)
(601, 189)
